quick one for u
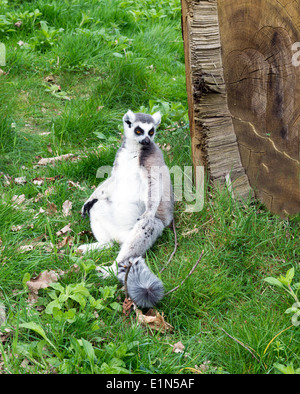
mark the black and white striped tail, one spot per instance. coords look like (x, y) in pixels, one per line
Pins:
(143, 287)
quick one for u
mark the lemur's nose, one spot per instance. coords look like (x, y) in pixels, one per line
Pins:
(145, 141)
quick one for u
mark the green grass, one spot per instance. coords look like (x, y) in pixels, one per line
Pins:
(63, 89)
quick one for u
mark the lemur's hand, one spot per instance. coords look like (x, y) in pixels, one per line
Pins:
(146, 215)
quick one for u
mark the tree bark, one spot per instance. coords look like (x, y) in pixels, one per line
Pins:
(243, 85)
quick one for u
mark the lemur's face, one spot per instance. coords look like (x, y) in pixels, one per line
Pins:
(141, 128)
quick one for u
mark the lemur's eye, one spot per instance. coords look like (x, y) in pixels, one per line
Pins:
(151, 132)
(138, 131)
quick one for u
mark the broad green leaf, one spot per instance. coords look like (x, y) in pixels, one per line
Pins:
(115, 306)
(38, 329)
(274, 281)
(57, 286)
(80, 288)
(25, 279)
(88, 348)
(287, 370)
(290, 274)
(292, 310)
(78, 298)
(70, 315)
(101, 136)
(51, 305)
(57, 314)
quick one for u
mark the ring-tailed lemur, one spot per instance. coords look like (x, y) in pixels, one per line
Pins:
(133, 206)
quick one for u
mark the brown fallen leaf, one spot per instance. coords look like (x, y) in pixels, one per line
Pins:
(154, 320)
(38, 197)
(178, 347)
(85, 232)
(51, 209)
(21, 180)
(49, 191)
(49, 149)
(25, 248)
(6, 178)
(17, 200)
(68, 240)
(195, 230)
(73, 184)
(2, 314)
(127, 304)
(64, 230)
(30, 244)
(16, 228)
(51, 160)
(42, 281)
(50, 79)
(38, 181)
(41, 180)
(66, 208)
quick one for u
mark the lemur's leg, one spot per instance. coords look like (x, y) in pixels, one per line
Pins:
(141, 238)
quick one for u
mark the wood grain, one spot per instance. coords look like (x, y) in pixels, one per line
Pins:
(214, 143)
(244, 95)
(263, 90)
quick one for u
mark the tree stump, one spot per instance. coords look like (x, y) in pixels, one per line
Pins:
(243, 86)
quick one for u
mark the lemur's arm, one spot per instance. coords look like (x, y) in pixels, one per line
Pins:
(103, 191)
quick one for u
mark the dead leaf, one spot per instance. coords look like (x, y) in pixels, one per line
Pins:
(7, 179)
(49, 149)
(73, 184)
(16, 228)
(178, 347)
(18, 24)
(195, 230)
(21, 180)
(38, 197)
(51, 209)
(2, 314)
(50, 79)
(154, 320)
(17, 200)
(203, 367)
(51, 160)
(68, 240)
(41, 180)
(127, 304)
(64, 230)
(38, 181)
(25, 248)
(85, 232)
(42, 281)
(39, 212)
(49, 191)
(66, 208)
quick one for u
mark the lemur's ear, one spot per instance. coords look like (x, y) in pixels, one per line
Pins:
(129, 118)
(157, 118)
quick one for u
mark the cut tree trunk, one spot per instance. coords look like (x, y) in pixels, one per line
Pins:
(243, 86)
